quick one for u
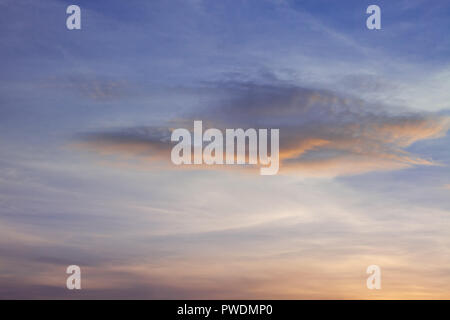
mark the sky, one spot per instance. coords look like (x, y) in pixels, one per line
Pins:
(85, 171)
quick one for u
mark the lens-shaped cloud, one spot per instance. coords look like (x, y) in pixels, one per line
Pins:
(321, 133)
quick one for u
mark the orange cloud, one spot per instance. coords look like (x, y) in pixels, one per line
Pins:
(321, 133)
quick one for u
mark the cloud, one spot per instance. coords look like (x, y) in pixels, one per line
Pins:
(149, 143)
(322, 133)
(97, 88)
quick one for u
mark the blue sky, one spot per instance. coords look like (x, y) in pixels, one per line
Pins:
(364, 112)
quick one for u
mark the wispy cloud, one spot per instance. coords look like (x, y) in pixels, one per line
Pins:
(322, 133)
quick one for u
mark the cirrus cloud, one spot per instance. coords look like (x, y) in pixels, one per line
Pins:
(322, 133)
